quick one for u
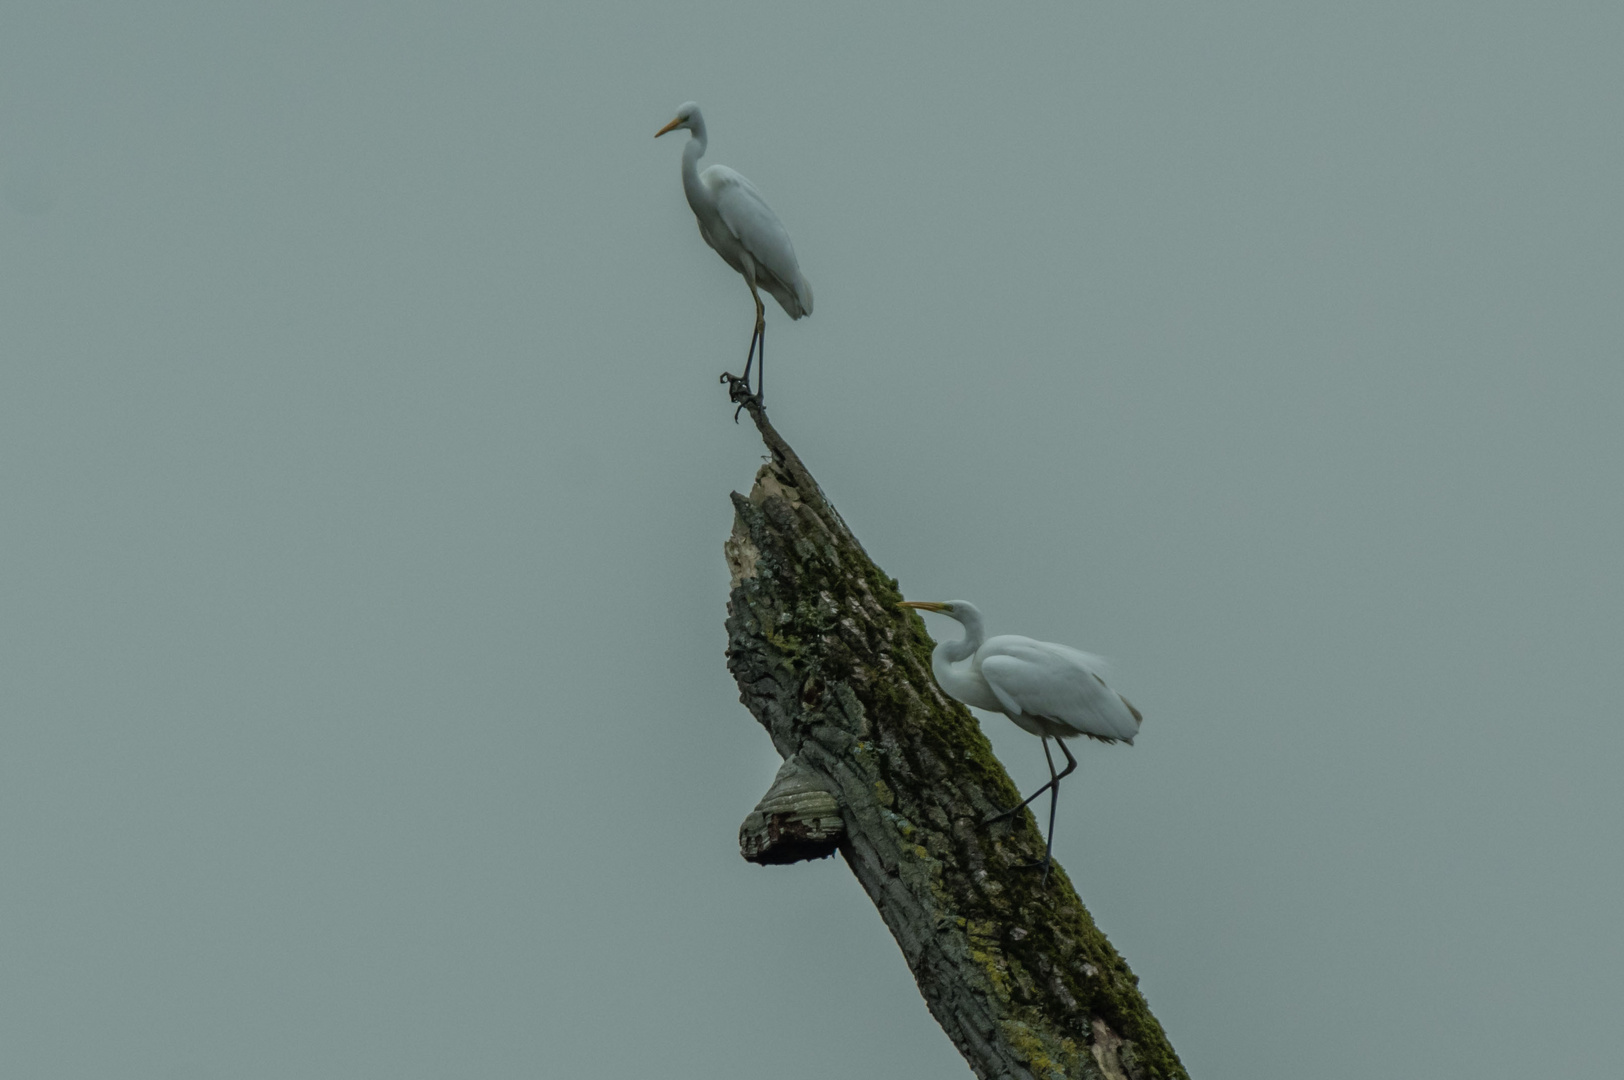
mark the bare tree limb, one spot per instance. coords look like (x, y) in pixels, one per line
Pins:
(883, 767)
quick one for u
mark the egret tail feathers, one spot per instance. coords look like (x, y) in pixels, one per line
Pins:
(796, 300)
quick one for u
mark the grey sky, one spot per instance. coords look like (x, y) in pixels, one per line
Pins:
(365, 478)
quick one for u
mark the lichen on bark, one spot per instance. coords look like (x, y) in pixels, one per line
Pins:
(1014, 970)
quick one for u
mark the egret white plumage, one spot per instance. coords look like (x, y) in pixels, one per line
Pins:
(1052, 691)
(737, 222)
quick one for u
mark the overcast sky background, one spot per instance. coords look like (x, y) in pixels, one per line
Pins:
(364, 474)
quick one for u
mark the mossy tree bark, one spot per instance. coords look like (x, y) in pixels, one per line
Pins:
(883, 767)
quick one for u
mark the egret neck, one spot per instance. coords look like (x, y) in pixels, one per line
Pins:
(691, 186)
(963, 682)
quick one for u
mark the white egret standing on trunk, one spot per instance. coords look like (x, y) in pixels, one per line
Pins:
(1050, 690)
(737, 222)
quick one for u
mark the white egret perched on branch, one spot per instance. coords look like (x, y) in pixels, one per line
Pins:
(1050, 690)
(737, 222)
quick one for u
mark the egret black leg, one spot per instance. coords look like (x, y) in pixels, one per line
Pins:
(750, 358)
(758, 344)
(1018, 807)
(739, 385)
(1054, 801)
(758, 352)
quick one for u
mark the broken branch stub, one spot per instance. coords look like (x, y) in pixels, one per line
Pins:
(1016, 973)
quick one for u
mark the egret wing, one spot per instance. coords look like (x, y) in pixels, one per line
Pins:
(1057, 682)
(1001, 691)
(758, 230)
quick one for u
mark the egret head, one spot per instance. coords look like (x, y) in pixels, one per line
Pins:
(962, 610)
(687, 117)
(967, 616)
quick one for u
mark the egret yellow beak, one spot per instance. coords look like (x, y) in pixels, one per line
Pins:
(669, 127)
(926, 605)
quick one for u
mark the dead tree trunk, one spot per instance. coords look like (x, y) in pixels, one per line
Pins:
(880, 765)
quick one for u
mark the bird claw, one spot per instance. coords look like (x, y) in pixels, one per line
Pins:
(739, 392)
